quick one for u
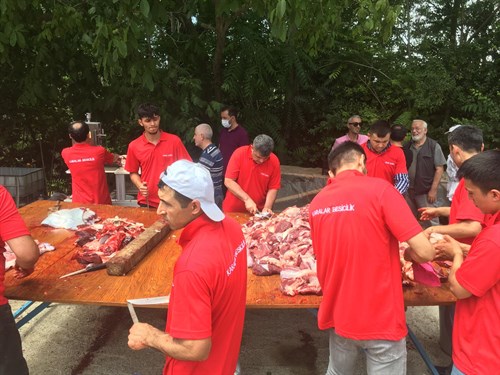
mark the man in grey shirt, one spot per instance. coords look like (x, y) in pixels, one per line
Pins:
(425, 171)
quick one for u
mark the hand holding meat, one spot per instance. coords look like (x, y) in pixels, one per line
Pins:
(447, 248)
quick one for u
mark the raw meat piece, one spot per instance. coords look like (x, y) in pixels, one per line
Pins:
(282, 245)
(100, 241)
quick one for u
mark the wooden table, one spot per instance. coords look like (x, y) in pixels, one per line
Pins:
(151, 277)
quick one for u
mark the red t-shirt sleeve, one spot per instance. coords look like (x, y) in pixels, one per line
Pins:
(191, 318)
(11, 223)
(132, 163)
(108, 156)
(400, 162)
(480, 271)
(180, 151)
(398, 215)
(275, 180)
(233, 168)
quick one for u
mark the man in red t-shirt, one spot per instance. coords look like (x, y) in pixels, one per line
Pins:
(253, 177)
(465, 218)
(86, 164)
(475, 280)
(14, 232)
(208, 296)
(356, 223)
(383, 159)
(150, 154)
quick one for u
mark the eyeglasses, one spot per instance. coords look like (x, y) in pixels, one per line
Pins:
(355, 123)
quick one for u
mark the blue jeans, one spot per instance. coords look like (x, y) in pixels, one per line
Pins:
(383, 357)
(455, 371)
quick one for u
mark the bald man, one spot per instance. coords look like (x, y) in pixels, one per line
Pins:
(210, 158)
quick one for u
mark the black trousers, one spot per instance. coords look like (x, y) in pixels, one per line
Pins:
(12, 361)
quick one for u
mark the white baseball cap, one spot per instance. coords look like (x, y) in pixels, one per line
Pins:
(193, 181)
(452, 128)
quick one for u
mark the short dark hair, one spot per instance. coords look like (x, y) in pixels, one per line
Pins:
(380, 128)
(79, 131)
(231, 111)
(483, 170)
(182, 199)
(345, 153)
(147, 110)
(467, 137)
(398, 132)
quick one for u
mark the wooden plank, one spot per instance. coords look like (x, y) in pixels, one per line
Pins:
(128, 257)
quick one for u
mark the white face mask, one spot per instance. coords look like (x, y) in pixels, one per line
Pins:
(226, 124)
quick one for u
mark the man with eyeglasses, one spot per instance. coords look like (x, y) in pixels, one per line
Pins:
(152, 152)
(425, 171)
(253, 177)
(353, 133)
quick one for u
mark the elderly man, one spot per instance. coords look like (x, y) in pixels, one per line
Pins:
(353, 132)
(253, 177)
(358, 220)
(14, 232)
(210, 158)
(384, 160)
(208, 296)
(151, 153)
(425, 171)
(86, 164)
(475, 279)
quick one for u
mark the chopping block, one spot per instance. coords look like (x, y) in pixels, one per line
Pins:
(128, 257)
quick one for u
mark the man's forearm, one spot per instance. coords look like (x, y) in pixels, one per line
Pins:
(270, 198)
(136, 179)
(464, 229)
(236, 189)
(183, 350)
(437, 177)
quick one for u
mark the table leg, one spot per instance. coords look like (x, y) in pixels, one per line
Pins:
(37, 310)
(120, 187)
(422, 351)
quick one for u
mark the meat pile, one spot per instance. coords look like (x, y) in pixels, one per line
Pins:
(10, 257)
(282, 245)
(99, 242)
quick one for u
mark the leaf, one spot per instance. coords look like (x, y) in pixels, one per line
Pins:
(122, 47)
(13, 39)
(281, 8)
(148, 81)
(20, 40)
(145, 7)
(92, 10)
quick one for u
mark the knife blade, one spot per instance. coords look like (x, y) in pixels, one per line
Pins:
(88, 268)
(162, 300)
(131, 310)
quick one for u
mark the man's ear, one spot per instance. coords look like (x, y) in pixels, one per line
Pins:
(195, 207)
(495, 194)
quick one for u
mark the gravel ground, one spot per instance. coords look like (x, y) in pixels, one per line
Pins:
(92, 340)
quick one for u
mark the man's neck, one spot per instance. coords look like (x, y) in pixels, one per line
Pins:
(153, 138)
(421, 142)
(352, 136)
(233, 126)
(205, 144)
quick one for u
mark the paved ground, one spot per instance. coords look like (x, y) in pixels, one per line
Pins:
(90, 340)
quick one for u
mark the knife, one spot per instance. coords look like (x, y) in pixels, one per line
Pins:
(163, 300)
(88, 268)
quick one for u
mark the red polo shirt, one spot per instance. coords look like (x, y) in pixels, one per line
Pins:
(153, 160)
(476, 329)
(88, 178)
(11, 226)
(255, 179)
(356, 222)
(208, 296)
(385, 165)
(462, 208)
